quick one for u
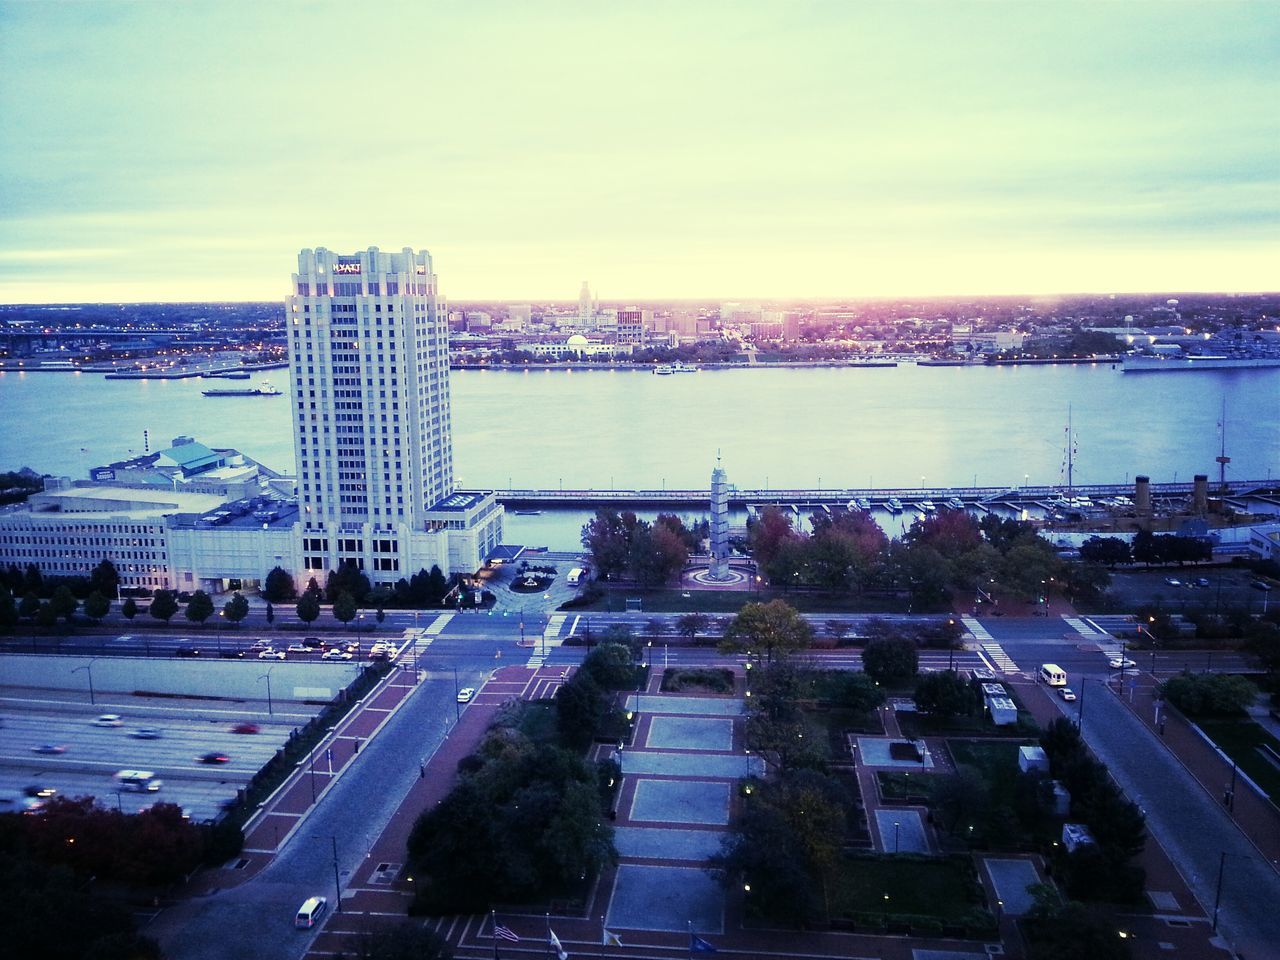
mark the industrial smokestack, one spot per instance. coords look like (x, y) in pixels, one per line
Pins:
(1200, 495)
(1142, 495)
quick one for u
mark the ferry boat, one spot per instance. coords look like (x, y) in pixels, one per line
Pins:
(666, 369)
(893, 505)
(955, 503)
(266, 390)
(863, 503)
(926, 506)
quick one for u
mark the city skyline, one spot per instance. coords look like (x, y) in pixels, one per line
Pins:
(723, 153)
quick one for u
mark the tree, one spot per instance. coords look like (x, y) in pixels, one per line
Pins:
(96, 606)
(406, 941)
(270, 615)
(235, 609)
(308, 608)
(199, 607)
(1209, 694)
(8, 610)
(344, 608)
(768, 532)
(348, 578)
(63, 603)
(46, 616)
(655, 555)
(890, 658)
(104, 578)
(961, 798)
(1108, 551)
(856, 691)
(28, 605)
(691, 624)
(943, 694)
(606, 539)
(610, 666)
(129, 609)
(164, 605)
(766, 631)
(278, 585)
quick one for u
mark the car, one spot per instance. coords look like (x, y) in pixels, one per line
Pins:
(465, 694)
(50, 749)
(1202, 582)
(335, 654)
(213, 757)
(259, 645)
(1067, 694)
(39, 792)
(188, 652)
(299, 648)
(125, 638)
(1121, 663)
(1260, 585)
(353, 647)
(109, 720)
(145, 733)
(270, 654)
(245, 728)
(1173, 581)
(231, 654)
(315, 643)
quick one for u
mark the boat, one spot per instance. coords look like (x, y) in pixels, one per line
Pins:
(893, 505)
(666, 369)
(528, 513)
(266, 390)
(1155, 364)
(926, 506)
(955, 503)
(226, 375)
(863, 503)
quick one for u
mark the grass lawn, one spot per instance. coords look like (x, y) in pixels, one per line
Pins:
(904, 786)
(829, 727)
(996, 761)
(1239, 740)
(709, 679)
(937, 887)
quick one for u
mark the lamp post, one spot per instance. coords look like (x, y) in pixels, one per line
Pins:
(895, 836)
(457, 708)
(267, 677)
(88, 669)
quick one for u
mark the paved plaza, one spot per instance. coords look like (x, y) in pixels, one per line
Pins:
(651, 843)
(1010, 878)
(665, 898)
(728, 767)
(874, 752)
(696, 706)
(690, 733)
(909, 835)
(681, 801)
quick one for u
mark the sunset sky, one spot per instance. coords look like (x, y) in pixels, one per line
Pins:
(186, 151)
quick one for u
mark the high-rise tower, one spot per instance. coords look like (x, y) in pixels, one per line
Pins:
(585, 311)
(369, 355)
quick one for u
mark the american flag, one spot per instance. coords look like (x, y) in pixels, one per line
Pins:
(506, 933)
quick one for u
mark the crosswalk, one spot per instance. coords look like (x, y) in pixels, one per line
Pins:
(994, 653)
(550, 639)
(1083, 628)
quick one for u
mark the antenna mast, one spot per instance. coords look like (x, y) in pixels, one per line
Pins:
(1222, 457)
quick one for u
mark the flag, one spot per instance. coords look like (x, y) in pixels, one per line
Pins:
(611, 939)
(698, 945)
(556, 945)
(505, 933)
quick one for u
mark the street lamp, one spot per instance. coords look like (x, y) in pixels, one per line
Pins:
(88, 668)
(267, 677)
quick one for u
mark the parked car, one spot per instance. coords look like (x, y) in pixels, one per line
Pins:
(213, 757)
(1067, 694)
(269, 654)
(145, 733)
(465, 694)
(109, 720)
(245, 728)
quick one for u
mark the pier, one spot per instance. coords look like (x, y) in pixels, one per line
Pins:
(802, 500)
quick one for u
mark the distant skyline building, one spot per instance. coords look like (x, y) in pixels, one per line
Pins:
(369, 352)
(585, 311)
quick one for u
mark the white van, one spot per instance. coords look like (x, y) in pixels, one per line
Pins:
(1053, 675)
(144, 781)
(310, 912)
(575, 577)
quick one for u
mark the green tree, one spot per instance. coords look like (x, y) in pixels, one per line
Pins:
(270, 615)
(64, 603)
(46, 616)
(1108, 551)
(961, 799)
(943, 694)
(344, 608)
(164, 605)
(199, 607)
(610, 666)
(405, 941)
(1209, 694)
(8, 610)
(104, 578)
(96, 606)
(129, 609)
(28, 605)
(278, 585)
(691, 624)
(655, 555)
(308, 608)
(855, 690)
(235, 609)
(766, 631)
(890, 659)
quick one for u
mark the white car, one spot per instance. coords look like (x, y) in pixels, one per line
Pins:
(465, 694)
(1173, 581)
(109, 720)
(270, 654)
(1067, 694)
(1121, 663)
(336, 654)
(299, 648)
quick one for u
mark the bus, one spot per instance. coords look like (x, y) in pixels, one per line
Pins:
(575, 576)
(1053, 675)
(143, 781)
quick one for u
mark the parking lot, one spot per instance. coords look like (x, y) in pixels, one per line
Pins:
(1225, 588)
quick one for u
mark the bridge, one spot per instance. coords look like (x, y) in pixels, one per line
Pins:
(821, 498)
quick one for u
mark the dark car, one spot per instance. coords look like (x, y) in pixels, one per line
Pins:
(1260, 585)
(50, 749)
(231, 654)
(188, 652)
(312, 642)
(213, 757)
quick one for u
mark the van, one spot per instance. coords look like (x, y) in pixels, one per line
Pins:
(310, 912)
(1053, 675)
(143, 781)
(575, 577)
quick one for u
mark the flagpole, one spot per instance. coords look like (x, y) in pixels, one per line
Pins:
(493, 915)
(690, 940)
(548, 948)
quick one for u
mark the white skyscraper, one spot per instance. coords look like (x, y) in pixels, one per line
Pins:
(585, 310)
(369, 354)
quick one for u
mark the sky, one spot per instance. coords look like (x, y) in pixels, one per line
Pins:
(739, 150)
